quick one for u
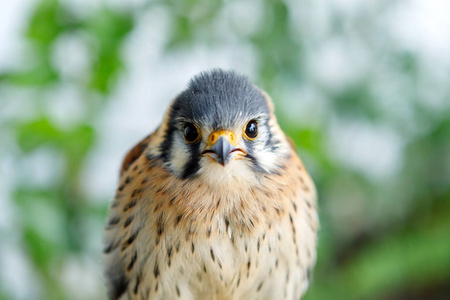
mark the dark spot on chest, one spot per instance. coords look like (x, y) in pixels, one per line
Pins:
(178, 219)
(114, 221)
(156, 270)
(213, 257)
(160, 224)
(131, 204)
(113, 245)
(260, 286)
(132, 261)
(130, 240)
(128, 221)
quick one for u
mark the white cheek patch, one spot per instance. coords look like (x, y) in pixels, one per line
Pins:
(268, 158)
(179, 155)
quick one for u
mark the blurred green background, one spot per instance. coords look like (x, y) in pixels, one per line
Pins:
(363, 88)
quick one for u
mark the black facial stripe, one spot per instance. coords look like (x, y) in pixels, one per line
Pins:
(255, 164)
(191, 168)
(166, 145)
(192, 165)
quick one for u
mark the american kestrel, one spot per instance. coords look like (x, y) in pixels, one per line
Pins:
(215, 204)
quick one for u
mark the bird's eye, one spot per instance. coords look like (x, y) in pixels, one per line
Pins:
(191, 133)
(251, 130)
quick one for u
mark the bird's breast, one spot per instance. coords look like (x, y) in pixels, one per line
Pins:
(194, 239)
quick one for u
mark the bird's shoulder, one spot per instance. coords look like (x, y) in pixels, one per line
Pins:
(123, 226)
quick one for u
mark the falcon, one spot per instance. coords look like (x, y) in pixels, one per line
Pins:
(215, 204)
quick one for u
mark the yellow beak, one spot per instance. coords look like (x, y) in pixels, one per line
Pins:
(222, 146)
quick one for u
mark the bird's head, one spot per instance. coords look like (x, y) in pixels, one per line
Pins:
(221, 126)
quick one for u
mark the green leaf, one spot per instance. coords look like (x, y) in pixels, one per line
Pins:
(45, 25)
(109, 28)
(37, 133)
(76, 145)
(41, 73)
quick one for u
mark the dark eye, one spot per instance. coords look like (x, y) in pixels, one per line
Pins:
(191, 133)
(251, 130)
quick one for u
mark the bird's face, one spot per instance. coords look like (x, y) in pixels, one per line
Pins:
(222, 127)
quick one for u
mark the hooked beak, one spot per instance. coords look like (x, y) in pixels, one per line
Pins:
(222, 147)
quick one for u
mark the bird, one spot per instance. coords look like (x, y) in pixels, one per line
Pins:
(214, 204)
